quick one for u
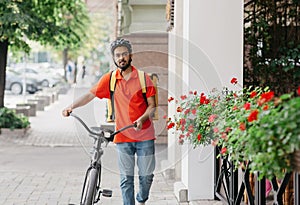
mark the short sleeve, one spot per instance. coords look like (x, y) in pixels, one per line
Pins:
(151, 90)
(101, 89)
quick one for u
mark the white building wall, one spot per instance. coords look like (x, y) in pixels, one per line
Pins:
(212, 47)
(175, 86)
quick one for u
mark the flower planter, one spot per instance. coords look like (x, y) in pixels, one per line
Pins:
(296, 161)
(16, 133)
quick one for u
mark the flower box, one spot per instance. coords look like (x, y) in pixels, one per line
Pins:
(251, 124)
(15, 133)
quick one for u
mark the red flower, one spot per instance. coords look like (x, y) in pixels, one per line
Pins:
(165, 117)
(202, 99)
(171, 125)
(265, 97)
(216, 130)
(298, 91)
(182, 121)
(187, 111)
(183, 97)
(199, 137)
(253, 94)
(266, 107)
(235, 107)
(180, 141)
(212, 118)
(181, 136)
(242, 126)
(234, 81)
(170, 99)
(247, 106)
(228, 129)
(195, 92)
(191, 128)
(224, 136)
(268, 95)
(223, 150)
(194, 111)
(253, 116)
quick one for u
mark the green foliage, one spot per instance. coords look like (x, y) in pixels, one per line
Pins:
(9, 119)
(275, 138)
(53, 22)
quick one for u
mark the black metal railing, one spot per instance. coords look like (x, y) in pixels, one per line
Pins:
(232, 186)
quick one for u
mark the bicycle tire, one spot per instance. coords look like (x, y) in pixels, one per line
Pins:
(89, 187)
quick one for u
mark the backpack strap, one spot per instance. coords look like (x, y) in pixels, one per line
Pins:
(112, 81)
(112, 87)
(142, 79)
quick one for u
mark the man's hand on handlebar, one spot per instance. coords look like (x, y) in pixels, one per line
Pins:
(66, 112)
(138, 124)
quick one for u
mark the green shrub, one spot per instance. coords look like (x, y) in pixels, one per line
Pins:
(10, 119)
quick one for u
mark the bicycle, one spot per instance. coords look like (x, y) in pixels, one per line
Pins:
(91, 190)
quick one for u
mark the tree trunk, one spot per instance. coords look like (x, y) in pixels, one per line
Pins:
(65, 61)
(3, 61)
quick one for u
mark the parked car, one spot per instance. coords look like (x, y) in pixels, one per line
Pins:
(44, 77)
(14, 82)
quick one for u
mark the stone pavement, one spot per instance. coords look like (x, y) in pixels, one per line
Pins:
(48, 165)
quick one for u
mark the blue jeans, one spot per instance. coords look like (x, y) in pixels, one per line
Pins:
(146, 164)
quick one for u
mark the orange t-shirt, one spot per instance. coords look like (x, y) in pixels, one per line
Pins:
(129, 104)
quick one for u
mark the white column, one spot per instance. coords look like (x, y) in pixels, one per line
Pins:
(212, 55)
(174, 88)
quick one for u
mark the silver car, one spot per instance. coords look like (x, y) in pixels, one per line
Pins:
(45, 78)
(14, 83)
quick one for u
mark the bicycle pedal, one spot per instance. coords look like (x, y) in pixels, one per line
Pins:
(106, 192)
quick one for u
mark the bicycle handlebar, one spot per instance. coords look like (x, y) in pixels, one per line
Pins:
(111, 137)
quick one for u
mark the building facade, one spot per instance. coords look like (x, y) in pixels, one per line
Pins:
(144, 24)
(202, 50)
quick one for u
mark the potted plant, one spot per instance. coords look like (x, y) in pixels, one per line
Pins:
(10, 121)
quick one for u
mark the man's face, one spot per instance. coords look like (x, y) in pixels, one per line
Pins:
(122, 57)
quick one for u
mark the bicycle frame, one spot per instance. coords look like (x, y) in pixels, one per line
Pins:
(91, 187)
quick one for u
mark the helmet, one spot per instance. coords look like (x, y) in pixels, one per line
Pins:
(120, 42)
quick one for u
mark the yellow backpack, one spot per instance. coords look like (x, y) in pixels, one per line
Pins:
(112, 86)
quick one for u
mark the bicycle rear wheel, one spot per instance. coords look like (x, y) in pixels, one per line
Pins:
(89, 191)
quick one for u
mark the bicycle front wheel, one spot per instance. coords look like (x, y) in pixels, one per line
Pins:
(89, 191)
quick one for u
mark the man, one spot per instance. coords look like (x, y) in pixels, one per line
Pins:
(130, 107)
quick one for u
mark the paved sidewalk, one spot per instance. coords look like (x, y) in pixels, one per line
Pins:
(60, 138)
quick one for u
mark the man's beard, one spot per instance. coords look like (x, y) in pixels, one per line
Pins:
(123, 68)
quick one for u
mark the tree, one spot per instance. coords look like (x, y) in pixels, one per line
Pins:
(54, 22)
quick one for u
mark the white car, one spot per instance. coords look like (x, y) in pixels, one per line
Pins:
(44, 77)
(14, 83)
